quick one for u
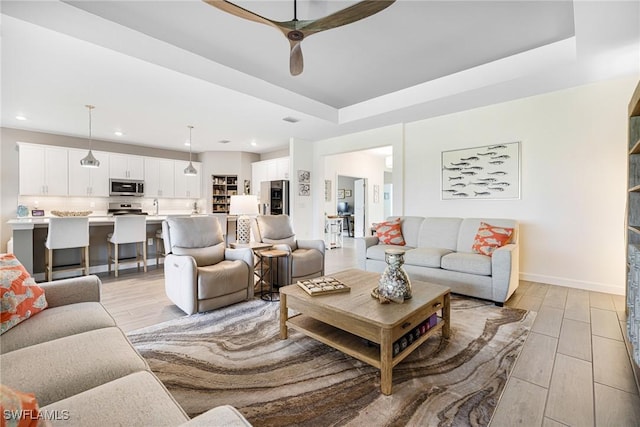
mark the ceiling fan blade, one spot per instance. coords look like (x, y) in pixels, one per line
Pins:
(241, 12)
(345, 16)
(296, 62)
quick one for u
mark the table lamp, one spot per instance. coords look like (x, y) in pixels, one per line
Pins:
(243, 206)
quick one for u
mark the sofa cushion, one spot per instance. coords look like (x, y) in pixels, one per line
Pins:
(21, 298)
(467, 263)
(223, 278)
(275, 229)
(73, 364)
(137, 399)
(410, 227)
(425, 257)
(390, 233)
(489, 238)
(439, 233)
(57, 322)
(204, 256)
(18, 409)
(194, 232)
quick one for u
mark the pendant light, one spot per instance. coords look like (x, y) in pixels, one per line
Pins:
(190, 170)
(89, 161)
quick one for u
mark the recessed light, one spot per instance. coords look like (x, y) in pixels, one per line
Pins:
(224, 141)
(253, 143)
(187, 143)
(291, 119)
(118, 133)
(21, 117)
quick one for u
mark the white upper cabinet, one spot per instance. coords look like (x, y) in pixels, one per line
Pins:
(124, 166)
(187, 186)
(268, 170)
(258, 175)
(43, 170)
(158, 177)
(282, 168)
(88, 181)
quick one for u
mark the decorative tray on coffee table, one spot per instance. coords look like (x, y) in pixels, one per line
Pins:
(323, 286)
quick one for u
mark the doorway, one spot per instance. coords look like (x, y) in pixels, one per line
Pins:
(351, 197)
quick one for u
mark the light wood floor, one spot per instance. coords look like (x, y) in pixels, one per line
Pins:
(574, 369)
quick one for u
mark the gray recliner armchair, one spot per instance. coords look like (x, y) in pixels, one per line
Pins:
(200, 274)
(306, 257)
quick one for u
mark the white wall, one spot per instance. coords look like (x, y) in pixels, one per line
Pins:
(303, 208)
(574, 163)
(572, 209)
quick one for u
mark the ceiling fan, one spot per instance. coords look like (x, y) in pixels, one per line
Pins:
(296, 30)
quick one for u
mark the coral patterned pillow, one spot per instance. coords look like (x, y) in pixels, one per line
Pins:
(18, 409)
(21, 298)
(489, 238)
(390, 233)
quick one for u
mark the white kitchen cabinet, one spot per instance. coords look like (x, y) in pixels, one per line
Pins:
(186, 186)
(258, 175)
(124, 166)
(158, 177)
(88, 181)
(268, 170)
(43, 170)
(282, 168)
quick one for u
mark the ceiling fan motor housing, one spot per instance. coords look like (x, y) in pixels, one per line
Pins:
(295, 35)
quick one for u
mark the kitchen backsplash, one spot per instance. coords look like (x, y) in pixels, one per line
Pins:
(99, 205)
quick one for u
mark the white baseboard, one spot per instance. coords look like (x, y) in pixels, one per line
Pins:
(576, 284)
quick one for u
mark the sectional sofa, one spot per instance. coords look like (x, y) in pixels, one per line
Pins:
(439, 250)
(83, 369)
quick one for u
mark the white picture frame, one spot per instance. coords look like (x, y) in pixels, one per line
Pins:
(487, 172)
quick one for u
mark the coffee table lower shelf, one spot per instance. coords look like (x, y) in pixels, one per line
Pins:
(351, 344)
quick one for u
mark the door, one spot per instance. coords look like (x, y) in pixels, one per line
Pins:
(359, 211)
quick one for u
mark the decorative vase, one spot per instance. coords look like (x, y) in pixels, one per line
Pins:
(394, 283)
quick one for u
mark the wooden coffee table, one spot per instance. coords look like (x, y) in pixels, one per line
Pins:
(342, 320)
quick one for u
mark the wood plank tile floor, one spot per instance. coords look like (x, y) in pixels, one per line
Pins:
(574, 369)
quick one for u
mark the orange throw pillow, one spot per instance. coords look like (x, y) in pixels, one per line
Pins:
(390, 233)
(489, 238)
(18, 409)
(21, 298)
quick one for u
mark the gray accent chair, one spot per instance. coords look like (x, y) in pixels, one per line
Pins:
(200, 274)
(306, 257)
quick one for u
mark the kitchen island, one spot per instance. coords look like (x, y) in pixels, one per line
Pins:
(30, 233)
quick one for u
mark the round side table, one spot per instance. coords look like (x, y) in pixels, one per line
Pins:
(271, 257)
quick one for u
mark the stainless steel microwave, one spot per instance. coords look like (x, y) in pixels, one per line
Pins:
(126, 187)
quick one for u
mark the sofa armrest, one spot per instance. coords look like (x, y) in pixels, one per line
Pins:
(72, 291)
(244, 254)
(225, 415)
(362, 244)
(180, 281)
(505, 268)
(312, 244)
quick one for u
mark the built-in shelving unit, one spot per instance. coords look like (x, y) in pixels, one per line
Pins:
(633, 234)
(224, 186)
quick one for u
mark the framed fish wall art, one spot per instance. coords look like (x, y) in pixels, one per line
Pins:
(487, 172)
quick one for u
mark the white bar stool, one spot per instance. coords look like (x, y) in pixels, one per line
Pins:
(128, 229)
(65, 233)
(159, 241)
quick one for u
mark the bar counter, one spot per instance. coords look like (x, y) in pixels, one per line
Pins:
(30, 233)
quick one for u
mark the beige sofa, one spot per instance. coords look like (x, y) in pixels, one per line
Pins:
(439, 250)
(83, 369)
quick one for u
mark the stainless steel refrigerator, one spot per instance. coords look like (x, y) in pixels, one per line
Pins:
(274, 197)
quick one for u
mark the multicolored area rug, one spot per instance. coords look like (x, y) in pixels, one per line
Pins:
(235, 356)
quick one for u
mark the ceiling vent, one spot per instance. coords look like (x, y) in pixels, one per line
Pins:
(291, 119)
